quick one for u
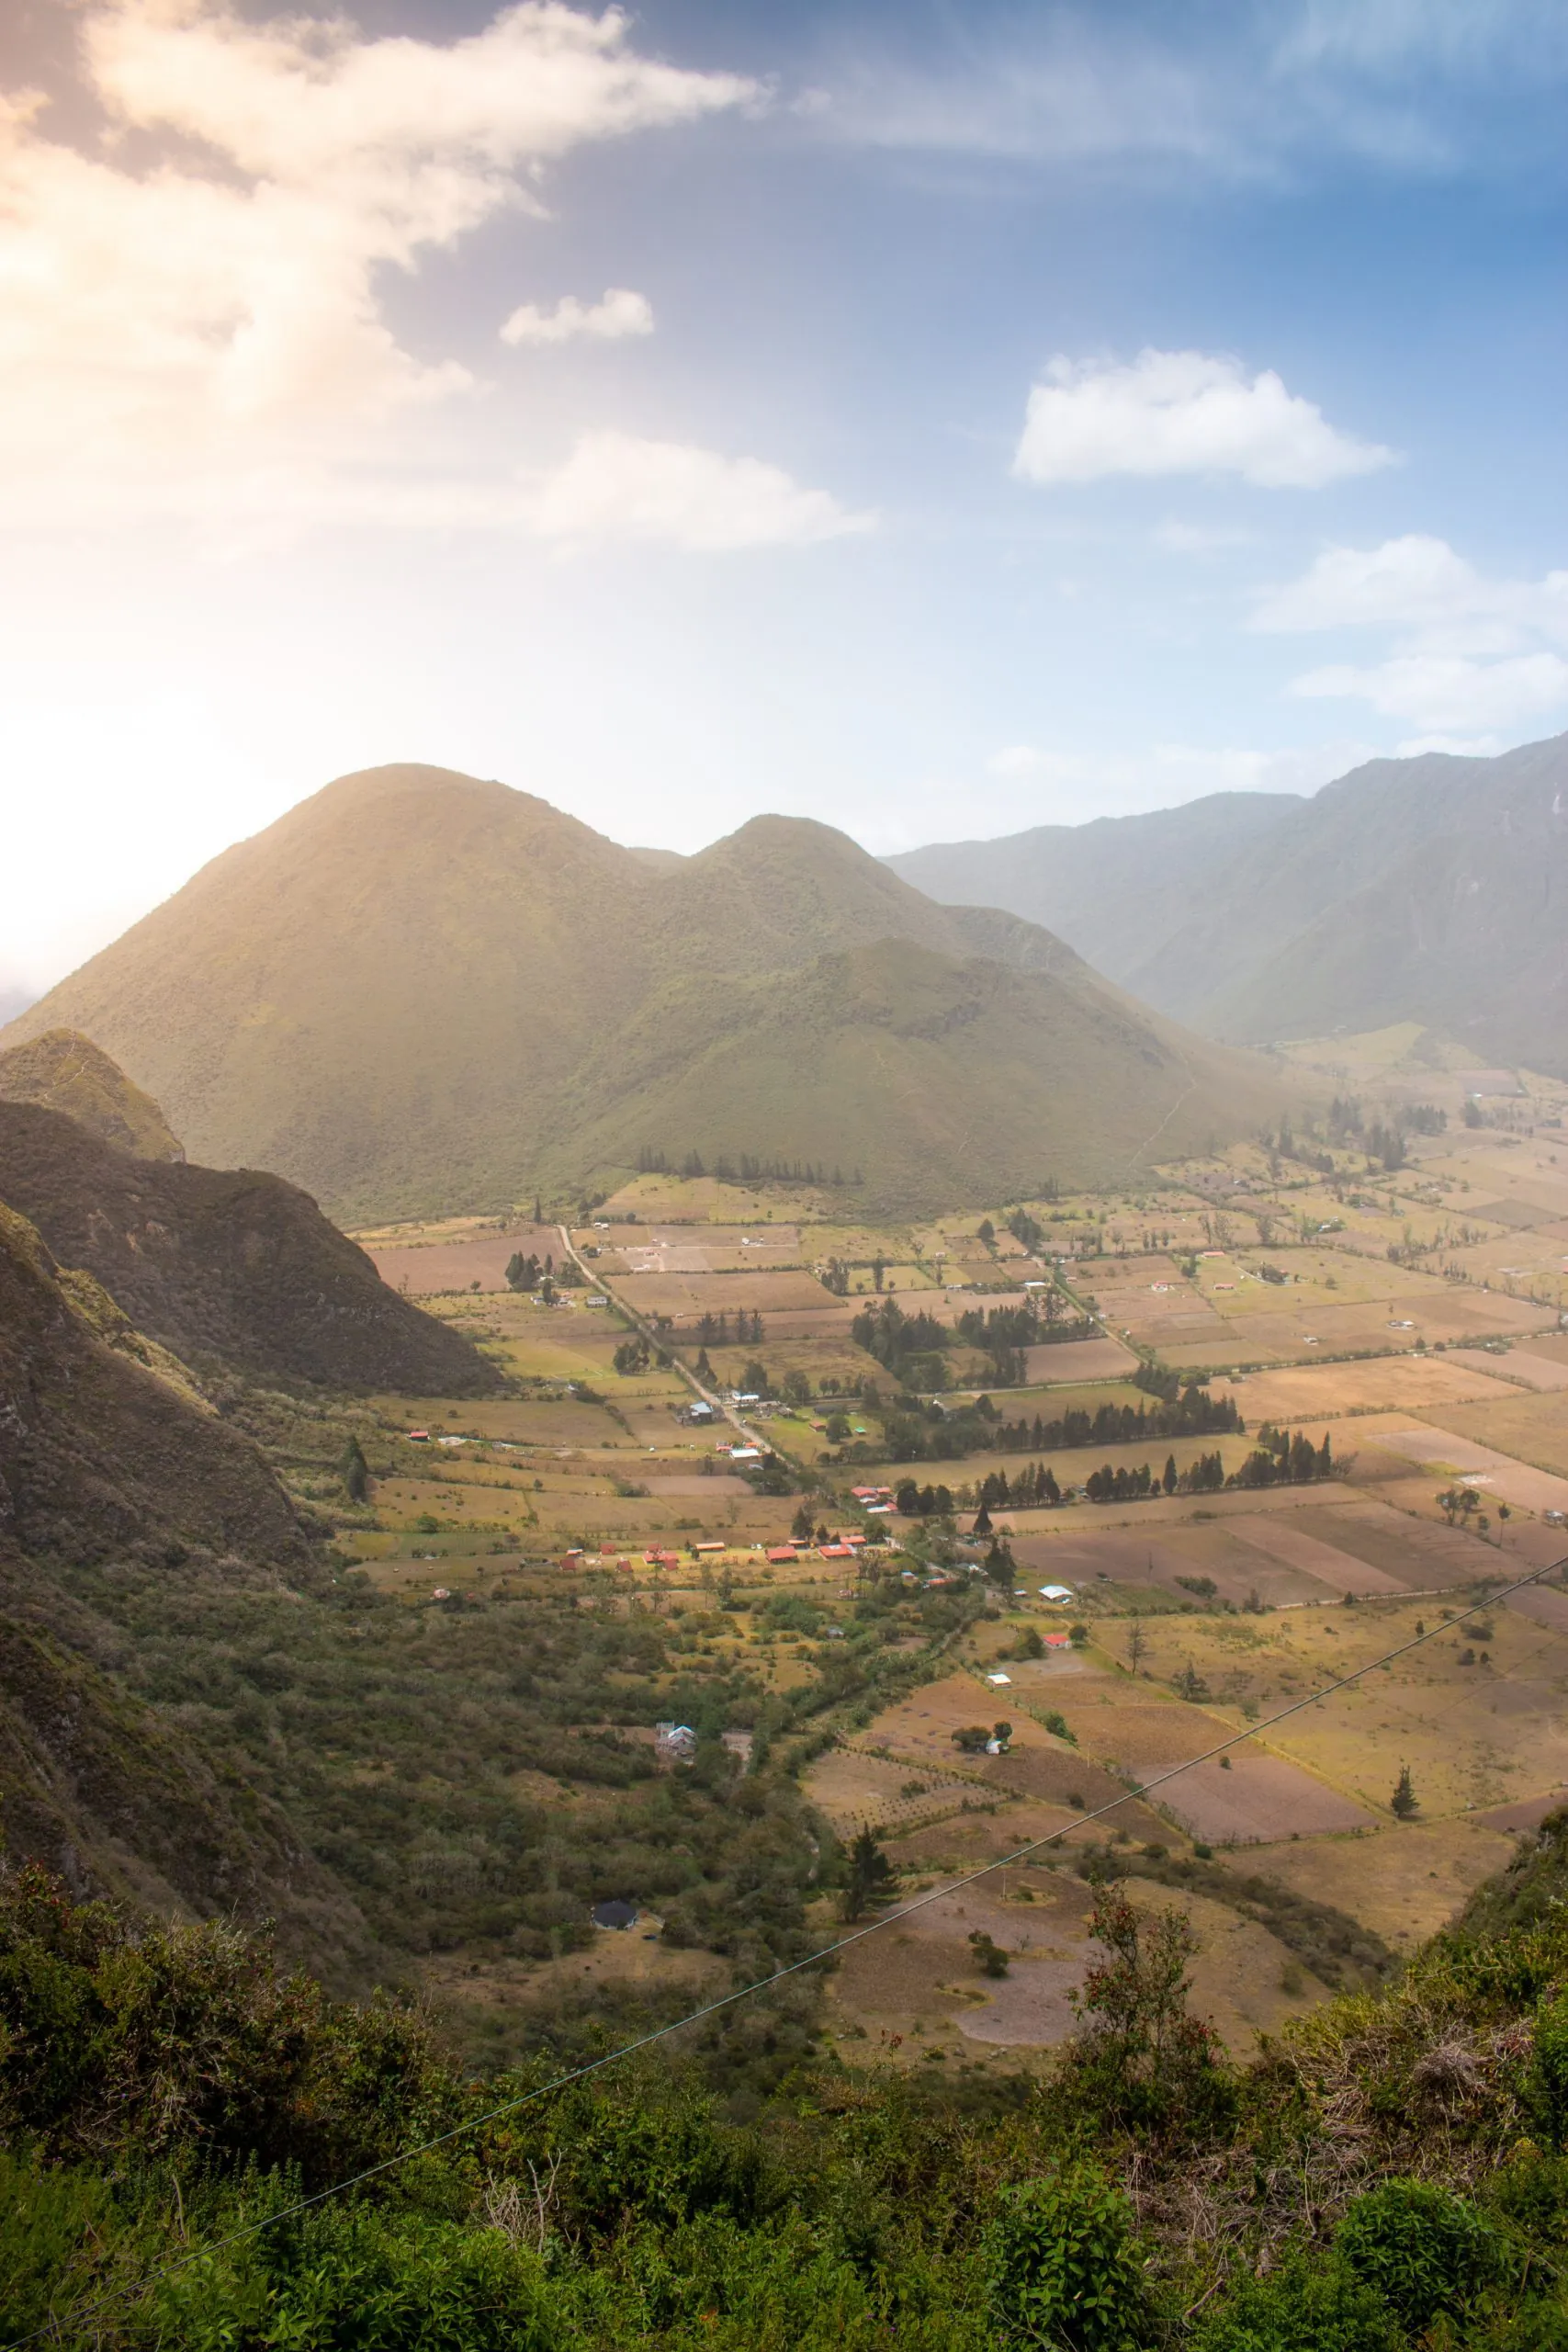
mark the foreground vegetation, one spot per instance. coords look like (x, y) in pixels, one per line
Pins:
(1391, 2174)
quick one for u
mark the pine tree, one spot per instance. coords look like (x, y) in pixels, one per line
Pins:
(354, 1471)
(1403, 1801)
(870, 1880)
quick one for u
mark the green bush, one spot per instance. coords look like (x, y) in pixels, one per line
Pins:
(1061, 2267)
(1548, 2085)
(1425, 2250)
(1302, 2308)
(359, 2280)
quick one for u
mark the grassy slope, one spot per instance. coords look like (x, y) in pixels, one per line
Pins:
(911, 1067)
(417, 991)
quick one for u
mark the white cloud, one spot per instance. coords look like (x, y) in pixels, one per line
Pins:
(1468, 655)
(1417, 583)
(617, 486)
(1181, 413)
(1447, 693)
(618, 313)
(190, 311)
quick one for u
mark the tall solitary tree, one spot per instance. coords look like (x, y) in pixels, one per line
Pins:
(870, 1879)
(353, 1470)
(1403, 1801)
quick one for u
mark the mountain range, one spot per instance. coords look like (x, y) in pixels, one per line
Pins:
(1432, 889)
(419, 992)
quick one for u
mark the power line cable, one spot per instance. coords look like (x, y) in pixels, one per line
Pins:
(812, 1960)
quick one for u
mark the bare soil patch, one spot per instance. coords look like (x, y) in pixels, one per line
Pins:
(1531, 1366)
(423, 1269)
(1385, 1385)
(1068, 1360)
(1404, 1881)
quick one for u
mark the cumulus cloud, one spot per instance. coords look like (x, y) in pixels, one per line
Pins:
(1421, 584)
(618, 313)
(618, 486)
(191, 315)
(1181, 413)
(1448, 693)
(1467, 653)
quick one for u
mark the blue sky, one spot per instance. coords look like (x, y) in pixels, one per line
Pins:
(935, 420)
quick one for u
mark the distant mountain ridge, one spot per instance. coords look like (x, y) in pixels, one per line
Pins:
(1433, 889)
(419, 990)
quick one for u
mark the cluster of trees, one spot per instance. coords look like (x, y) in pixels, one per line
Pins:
(922, 1502)
(1204, 1474)
(526, 1273)
(1282, 1459)
(746, 1168)
(911, 1347)
(395, 1757)
(911, 1436)
(716, 1330)
(1279, 1459)
(914, 1347)
(1003, 1333)
(1030, 1489)
(633, 1355)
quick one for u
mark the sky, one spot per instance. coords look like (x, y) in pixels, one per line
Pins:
(935, 417)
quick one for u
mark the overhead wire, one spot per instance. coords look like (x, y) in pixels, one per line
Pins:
(794, 1968)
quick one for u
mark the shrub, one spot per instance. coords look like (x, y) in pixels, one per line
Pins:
(1301, 2308)
(1061, 2267)
(1425, 2250)
(1548, 2086)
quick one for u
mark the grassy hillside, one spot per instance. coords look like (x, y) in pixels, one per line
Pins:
(226, 1266)
(64, 1071)
(908, 1066)
(1431, 890)
(419, 992)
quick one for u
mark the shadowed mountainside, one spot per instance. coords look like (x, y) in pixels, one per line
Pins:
(102, 1442)
(1432, 889)
(108, 1457)
(226, 1266)
(63, 1071)
(419, 992)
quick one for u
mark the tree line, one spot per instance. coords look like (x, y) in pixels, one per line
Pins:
(747, 1168)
